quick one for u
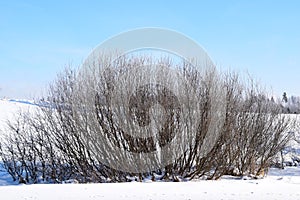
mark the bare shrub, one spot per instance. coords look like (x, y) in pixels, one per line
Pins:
(86, 118)
(257, 129)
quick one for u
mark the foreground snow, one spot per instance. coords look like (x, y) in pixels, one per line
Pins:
(280, 184)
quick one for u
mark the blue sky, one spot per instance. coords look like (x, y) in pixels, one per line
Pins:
(39, 38)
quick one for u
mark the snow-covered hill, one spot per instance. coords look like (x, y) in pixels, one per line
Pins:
(279, 184)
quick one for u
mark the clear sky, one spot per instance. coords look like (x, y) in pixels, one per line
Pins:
(39, 38)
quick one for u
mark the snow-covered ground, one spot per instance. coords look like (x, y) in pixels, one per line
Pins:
(279, 184)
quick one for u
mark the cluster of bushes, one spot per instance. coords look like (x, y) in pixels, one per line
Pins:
(50, 143)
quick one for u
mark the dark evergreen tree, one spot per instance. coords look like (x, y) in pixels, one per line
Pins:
(284, 97)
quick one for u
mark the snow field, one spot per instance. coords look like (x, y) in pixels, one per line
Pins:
(279, 184)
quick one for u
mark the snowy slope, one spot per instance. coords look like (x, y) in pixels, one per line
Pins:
(279, 184)
(9, 109)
